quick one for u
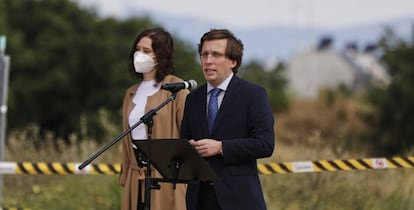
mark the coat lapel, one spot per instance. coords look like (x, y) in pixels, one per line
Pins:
(227, 103)
(202, 102)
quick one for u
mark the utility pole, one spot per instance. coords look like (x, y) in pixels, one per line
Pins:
(4, 79)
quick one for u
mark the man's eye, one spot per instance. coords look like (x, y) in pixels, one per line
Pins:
(216, 55)
(213, 54)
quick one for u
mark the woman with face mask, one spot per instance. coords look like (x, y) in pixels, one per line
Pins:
(151, 63)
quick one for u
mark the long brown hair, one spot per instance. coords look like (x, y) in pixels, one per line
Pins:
(163, 46)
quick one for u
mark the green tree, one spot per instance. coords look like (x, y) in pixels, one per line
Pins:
(272, 80)
(187, 62)
(2, 18)
(394, 120)
(70, 66)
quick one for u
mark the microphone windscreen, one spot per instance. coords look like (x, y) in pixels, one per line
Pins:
(193, 84)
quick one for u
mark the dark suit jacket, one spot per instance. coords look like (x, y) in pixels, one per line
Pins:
(244, 124)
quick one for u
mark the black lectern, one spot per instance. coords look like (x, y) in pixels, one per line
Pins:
(176, 160)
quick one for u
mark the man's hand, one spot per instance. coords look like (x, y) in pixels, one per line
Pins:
(207, 147)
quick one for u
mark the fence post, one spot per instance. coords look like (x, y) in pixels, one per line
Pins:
(4, 79)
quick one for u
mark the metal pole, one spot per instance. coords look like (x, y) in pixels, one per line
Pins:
(4, 79)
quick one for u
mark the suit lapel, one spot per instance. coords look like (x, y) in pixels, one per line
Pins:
(227, 103)
(202, 102)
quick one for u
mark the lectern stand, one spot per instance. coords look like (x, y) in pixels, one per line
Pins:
(176, 160)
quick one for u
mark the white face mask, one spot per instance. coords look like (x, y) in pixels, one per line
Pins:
(143, 63)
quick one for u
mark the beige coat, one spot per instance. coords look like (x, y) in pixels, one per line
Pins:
(167, 123)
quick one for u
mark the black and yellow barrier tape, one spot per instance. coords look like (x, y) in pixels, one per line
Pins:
(54, 168)
(44, 168)
(336, 165)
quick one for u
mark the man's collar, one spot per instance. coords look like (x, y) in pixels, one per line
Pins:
(223, 86)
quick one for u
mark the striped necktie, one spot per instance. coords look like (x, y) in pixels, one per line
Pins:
(212, 108)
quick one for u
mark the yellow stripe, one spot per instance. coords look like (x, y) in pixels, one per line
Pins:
(327, 165)
(289, 165)
(262, 169)
(316, 168)
(105, 169)
(117, 168)
(368, 161)
(17, 170)
(29, 167)
(357, 165)
(94, 171)
(402, 162)
(391, 164)
(276, 167)
(342, 165)
(43, 168)
(71, 167)
(59, 168)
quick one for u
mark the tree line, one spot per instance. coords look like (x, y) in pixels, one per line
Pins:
(69, 69)
(393, 117)
(68, 66)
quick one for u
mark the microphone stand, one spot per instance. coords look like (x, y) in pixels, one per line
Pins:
(148, 120)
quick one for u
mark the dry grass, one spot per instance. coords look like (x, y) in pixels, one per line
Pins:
(308, 131)
(316, 130)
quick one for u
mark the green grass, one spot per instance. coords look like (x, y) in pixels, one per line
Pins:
(68, 192)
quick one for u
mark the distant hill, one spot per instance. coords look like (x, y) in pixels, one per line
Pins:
(279, 43)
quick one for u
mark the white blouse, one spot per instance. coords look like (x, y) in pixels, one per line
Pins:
(144, 90)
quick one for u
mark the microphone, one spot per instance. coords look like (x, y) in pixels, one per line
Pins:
(174, 87)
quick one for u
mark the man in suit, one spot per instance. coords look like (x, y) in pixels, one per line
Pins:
(242, 131)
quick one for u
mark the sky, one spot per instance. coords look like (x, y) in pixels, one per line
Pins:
(258, 13)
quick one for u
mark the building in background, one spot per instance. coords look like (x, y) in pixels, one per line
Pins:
(324, 67)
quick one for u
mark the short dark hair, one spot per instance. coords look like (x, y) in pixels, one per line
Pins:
(163, 46)
(234, 49)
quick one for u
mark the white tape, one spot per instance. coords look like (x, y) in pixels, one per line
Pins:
(302, 167)
(86, 170)
(379, 163)
(7, 167)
